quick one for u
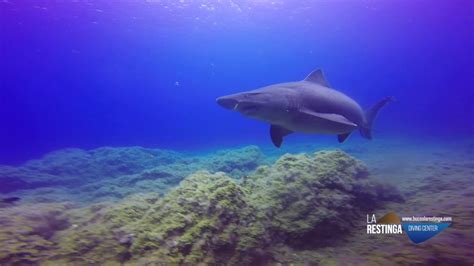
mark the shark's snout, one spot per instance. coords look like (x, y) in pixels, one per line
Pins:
(227, 102)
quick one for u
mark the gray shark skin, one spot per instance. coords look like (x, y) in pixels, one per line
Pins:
(307, 106)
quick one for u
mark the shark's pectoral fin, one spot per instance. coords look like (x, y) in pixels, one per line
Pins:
(342, 137)
(277, 133)
(335, 118)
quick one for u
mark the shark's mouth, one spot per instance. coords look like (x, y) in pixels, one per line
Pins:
(228, 102)
(243, 107)
(246, 108)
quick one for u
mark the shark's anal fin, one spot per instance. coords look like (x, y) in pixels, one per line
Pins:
(342, 137)
(277, 133)
(317, 77)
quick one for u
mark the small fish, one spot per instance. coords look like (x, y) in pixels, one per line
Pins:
(9, 200)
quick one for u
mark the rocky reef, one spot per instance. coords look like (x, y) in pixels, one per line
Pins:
(114, 173)
(27, 232)
(234, 212)
(136, 206)
(307, 200)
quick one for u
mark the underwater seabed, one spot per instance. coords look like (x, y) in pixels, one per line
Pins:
(304, 205)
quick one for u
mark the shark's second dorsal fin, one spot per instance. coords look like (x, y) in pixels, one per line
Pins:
(317, 77)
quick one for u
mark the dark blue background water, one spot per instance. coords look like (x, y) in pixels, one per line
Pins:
(93, 74)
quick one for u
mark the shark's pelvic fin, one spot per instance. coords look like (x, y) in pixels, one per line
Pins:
(317, 77)
(342, 137)
(277, 133)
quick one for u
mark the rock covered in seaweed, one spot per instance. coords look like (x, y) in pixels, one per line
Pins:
(27, 233)
(303, 198)
(281, 214)
(211, 218)
(205, 220)
(235, 162)
(114, 173)
(98, 233)
(76, 167)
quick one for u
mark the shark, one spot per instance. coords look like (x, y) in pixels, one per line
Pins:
(308, 106)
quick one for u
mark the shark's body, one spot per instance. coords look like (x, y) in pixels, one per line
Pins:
(307, 106)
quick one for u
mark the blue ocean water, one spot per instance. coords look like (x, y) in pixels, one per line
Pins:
(113, 149)
(117, 73)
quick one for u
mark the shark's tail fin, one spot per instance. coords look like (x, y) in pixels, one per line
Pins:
(366, 130)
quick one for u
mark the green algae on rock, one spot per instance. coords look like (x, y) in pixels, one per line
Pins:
(204, 220)
(114, 173)
(236, 163)
(27, 233)
(211, 218)
(99, 232)
(304, 199)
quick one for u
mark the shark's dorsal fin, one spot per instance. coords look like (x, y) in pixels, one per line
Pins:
(317, 77)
